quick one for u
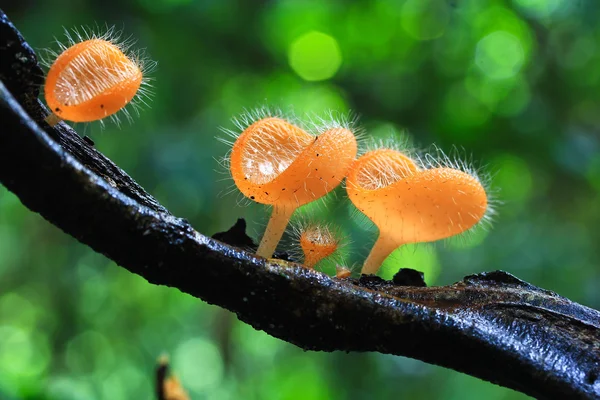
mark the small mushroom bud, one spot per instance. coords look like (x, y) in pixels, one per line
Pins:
(342, 272)
(317, 243)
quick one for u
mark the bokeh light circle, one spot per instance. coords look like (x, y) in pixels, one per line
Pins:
(315, 56)
(542, 8)
(425, 19)
(499, 55)
(199, 364)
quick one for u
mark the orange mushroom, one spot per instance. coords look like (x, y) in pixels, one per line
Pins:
(275, 162)
(168, 386)
(317, 243)
(342, 272)
(412, 204)
(93, 79)
(173, 390)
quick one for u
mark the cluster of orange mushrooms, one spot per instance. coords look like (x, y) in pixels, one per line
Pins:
(276, 163)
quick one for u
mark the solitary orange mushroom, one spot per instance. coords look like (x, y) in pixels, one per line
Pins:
(342, 272)
(275, 162)
(93, 79)
(168, 386)
(317, 243)
(411, 204)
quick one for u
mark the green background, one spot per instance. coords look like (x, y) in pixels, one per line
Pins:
(514, 84)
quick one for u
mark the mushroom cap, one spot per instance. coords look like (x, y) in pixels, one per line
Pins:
(91, 80)
(411, 205)
(275, 162)
(342, 272)
(317, 243)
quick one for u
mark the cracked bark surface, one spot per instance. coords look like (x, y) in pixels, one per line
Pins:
(492, 325)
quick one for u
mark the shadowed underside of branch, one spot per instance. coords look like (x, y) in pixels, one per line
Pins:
(492, 326)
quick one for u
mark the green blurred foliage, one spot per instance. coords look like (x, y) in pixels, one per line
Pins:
(516, 84)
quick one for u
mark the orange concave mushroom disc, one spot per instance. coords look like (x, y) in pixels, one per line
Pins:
(90, 81)
(342, 272)
(274, 162)
(317, 243)
(410, 205)
(173, 389)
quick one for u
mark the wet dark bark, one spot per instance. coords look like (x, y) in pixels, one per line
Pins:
(492, 326)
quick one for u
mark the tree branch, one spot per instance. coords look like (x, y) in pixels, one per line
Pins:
(492, 325)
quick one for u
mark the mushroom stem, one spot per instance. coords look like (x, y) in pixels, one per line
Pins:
(383, 247)
(275, 229)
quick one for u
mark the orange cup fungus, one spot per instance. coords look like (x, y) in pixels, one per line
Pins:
(92, 79)
(342, 272)
(410, 204)
(317, 243)
(173, 390)
(170, 388)
(275, 162)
